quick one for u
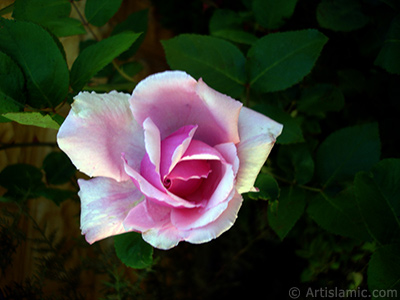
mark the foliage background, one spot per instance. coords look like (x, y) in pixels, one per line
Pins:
(328, 211)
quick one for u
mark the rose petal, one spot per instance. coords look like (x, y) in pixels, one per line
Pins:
(104, 205)
(174, 146)
(174, 99)
(97, 130)
(163, 238)
(257, 137)
(229, 153)
(220, 225)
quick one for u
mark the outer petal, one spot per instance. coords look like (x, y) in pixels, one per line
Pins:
(174, 99)
(97, 130)
(257, 137)
(215, 229)
(105, 204)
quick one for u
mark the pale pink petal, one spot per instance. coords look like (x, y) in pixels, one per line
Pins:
(163, 238)
(146, 215)
(174, 146)
(199, 150)
(229, 153)
(174, 99)
(220, 225)
(97, 130)
(150, 191)
(104, 205)
(257, 137)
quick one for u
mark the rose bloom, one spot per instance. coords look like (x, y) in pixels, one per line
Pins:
(170, 161)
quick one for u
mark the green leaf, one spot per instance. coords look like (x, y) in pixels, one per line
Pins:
(280, 60)
(272, 14)
(58, 168)
(40, 59)
(21, 180)
(53, 15)
(384, 271)
(346, 152)
(133, 251)
(292, 132)
(377, 195)
(319, 99)
(218, 62)
(33, 118)
(268, 188)
(136, 22)
(227, 24)
(55, 195)
(389, 55)
(98, 12)
(339, 214)
(297, 162)
(11, 80)
(95, 57)
(341, 15)
(284, 214)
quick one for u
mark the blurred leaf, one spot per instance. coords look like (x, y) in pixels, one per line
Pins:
(377, 195)
(389, 56)
(269, 189)
(218, 62)
(227, 24)
(133, 251)
(272, 14)
(339, 214)
(98, 12)
(58, 168)
(33, 119)
(280, 60)
(55, 195)
(319, 99)
(289, 209)
(297, 162)
(341, 15)
(7, 9)
(53, 15)
(40, 59)
(347, 151)
(292, 132)
(384, 271)
(95, 57)
(21, 180)
(136, 22)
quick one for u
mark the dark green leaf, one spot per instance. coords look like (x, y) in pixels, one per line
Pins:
(95, 57)
(58, 168)
(341, 15)
(227, 24)
(272, 14)
(320, 99)
(268, 188)
(11, 83)
(283, 214)
(297, 162)
(384, 271)
(292, 132)
(377, 197)
(39, 58)
(389, 56)
(347, 151)
(55, 195)
(339, 214)
(133, 251)
(21, 180)
(136, 22)
(33, 119)
(98, 12)
(218, 62)
(280, 60)
(54, 15)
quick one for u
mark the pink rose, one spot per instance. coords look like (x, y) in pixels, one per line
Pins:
(171, 161)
